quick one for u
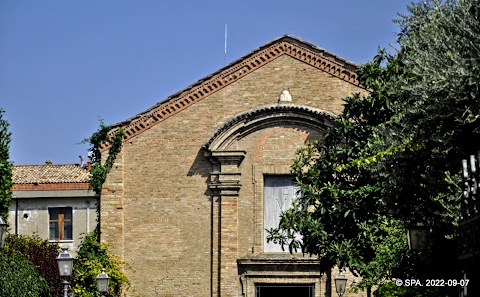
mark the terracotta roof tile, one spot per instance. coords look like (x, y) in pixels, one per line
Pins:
(49, 174)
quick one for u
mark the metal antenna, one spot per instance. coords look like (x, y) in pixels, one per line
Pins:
(225, 54)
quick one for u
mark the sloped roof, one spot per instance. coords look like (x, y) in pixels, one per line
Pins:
(285, 45)
(49, 174)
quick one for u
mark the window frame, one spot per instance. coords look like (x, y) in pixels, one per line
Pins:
(57, 215)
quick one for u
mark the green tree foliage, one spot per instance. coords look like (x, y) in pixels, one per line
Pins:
(440, 116)
(441, 43)
(20, 278)
(91, 258)
(392, 158)
(5, 167)
(41, 254)
(392, 290)
(437, 123)
(341, 215)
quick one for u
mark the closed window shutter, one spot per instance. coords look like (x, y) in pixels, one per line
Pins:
(279, 191)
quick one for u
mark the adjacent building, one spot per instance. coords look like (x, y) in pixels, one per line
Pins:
(52, 201)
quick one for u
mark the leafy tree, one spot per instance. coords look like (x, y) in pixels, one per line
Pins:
(441, 116)
(392, 158)
(91, 258)
(20, 278)
(5, 167)
(341, 214)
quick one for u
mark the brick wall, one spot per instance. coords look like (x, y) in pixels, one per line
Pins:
(157, 211)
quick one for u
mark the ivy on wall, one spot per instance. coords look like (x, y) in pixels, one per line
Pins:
(98, 171)
(92, 255)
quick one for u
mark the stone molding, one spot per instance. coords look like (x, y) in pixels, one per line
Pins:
(225, 174)
(276, 267)
(265, 117)
(279, 271)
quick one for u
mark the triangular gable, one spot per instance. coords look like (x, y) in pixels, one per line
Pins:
(285, 45)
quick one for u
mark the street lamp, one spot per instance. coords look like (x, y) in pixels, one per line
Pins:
(65, 264)
(417, 238)
(3, 231)
(102, 282)
(340, 283)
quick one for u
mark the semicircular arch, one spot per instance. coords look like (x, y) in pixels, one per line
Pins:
(268, 116)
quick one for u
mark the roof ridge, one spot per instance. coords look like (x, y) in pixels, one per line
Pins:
(51, 165)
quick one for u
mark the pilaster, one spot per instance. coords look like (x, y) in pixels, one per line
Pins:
(224, 184)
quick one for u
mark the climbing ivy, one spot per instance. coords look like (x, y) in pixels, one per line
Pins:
(98, 171)
(92, 255)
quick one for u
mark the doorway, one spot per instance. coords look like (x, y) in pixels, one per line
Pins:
(284, 290)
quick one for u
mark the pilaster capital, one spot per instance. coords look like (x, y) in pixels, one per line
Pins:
(225, 173)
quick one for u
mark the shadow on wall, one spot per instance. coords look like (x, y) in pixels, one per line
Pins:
(201, 166)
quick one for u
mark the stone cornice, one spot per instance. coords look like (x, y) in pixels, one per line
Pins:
(286, 45)
(225, 175)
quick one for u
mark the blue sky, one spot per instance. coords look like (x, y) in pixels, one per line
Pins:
(65, 64)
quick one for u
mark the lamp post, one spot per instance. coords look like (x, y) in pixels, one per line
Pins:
(417, 238)
(340, 283)
(65, 264)
(102, 282)
(3, 231)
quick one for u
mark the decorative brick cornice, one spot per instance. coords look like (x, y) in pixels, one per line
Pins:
(286, 45)
(51, 187)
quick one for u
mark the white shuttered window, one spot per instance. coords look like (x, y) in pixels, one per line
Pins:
(279, 192)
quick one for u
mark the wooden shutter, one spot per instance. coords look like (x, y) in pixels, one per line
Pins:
(279, 191)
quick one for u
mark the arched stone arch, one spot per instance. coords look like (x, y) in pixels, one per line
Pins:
(264, 117)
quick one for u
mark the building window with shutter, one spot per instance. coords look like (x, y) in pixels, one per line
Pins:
(279, 192)
(60, 223)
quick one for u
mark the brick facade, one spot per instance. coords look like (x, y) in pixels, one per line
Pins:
(186, 214)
